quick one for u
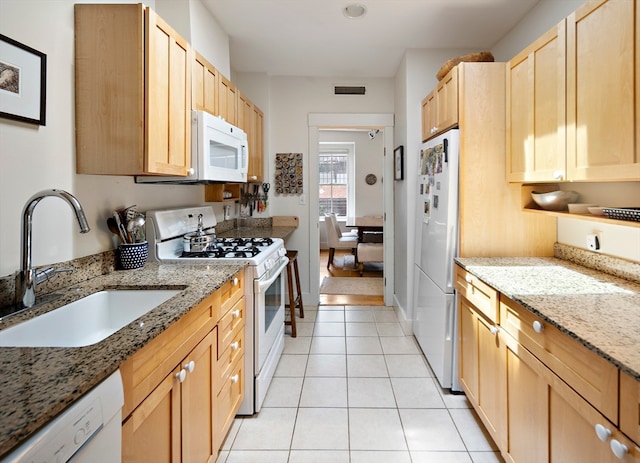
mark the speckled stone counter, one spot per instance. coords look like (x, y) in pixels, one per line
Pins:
(599, 310)
(39, 383)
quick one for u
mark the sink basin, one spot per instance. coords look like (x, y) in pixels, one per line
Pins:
(86, 321)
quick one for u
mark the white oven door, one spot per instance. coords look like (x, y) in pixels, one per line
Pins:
(269, 311)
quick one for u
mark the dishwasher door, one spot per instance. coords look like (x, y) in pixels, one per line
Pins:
(89, 431)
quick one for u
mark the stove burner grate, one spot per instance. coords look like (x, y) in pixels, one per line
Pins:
(243, 242)
(228, 252)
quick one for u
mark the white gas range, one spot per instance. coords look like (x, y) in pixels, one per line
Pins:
(264, 294)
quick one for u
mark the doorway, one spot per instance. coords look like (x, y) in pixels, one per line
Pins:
(383, 123)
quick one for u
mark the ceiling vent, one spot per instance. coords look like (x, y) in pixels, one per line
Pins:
(349, 90)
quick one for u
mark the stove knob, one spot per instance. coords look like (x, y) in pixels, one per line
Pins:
(282, 252)
(268, 263)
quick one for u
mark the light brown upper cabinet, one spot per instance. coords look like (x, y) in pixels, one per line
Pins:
(227, 100)
(602, 91)
(440, 107)
(133, 92)
(205, 85)
(572, 99)
(250, 119)
(257, 158)
(536, 110)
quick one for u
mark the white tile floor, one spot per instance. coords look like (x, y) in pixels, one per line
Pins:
(352, 388)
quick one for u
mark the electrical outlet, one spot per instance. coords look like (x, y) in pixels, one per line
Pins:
(593, 242)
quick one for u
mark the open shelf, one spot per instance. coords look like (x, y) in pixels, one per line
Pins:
(528, 205)
(215, 193)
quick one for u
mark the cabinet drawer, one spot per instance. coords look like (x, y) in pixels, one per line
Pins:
(228, 401)
(227, 359)
(231, 292)
(230, 325)
(585, 371)
(481, 295)
(630, 406)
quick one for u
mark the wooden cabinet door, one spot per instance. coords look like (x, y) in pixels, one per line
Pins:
(572, 435)
(630, 406)
(482, 369)
(468, 349)
(152, 431)
(536, 110)
(204, 85)
(548, 421)
(198, 401)
(447, 101)
(227, 100)
(440, 107)
(168, 108)
(228, 401)
(602, 91)
(429, 116)
(527, 407)
(256, 153)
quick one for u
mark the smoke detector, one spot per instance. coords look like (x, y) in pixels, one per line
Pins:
(354, 11)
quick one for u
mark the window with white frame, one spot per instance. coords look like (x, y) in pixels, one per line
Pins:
(336, 167)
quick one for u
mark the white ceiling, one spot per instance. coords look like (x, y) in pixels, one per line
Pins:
(314, 38)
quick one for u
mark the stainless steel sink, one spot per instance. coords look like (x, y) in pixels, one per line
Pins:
(86, 321)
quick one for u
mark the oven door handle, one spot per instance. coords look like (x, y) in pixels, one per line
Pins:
(261, 285)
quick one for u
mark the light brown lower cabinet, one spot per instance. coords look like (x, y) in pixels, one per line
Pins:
(175, 422)
(547, 421)
(542, 396)
(183, 389)
(481, 368)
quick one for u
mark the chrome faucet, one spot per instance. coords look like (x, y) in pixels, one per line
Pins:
(28, 277)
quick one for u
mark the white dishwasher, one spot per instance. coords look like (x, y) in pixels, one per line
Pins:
(89, 431)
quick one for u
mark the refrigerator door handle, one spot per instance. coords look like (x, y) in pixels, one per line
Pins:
(451, 313)
(445, 144)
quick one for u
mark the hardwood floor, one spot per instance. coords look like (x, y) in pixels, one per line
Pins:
(336, 270)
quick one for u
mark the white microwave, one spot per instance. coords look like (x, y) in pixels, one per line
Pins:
(219, 153)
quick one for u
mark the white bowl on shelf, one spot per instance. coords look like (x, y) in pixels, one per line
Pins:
(580, 208)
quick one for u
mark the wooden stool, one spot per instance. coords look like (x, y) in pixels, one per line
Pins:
(294, 302)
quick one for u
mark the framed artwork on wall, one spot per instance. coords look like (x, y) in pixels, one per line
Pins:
(23, 82)
(399, 162)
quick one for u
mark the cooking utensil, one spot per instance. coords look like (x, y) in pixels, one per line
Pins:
(198, 240)
(129, 213)
(122, 231)
(113, 226)
(133, 228)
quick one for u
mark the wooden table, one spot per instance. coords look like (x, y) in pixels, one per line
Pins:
(366, 223)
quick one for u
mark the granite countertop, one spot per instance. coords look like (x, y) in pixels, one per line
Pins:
(39, 383)
(599, 310)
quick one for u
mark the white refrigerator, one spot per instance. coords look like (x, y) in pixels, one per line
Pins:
(435, 321)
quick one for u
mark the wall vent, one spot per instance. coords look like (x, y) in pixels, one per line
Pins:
(349, 90)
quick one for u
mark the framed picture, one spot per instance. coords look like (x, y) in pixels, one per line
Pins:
(23, 82)
(399, 161)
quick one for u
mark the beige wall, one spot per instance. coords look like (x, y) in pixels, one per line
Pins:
(36, 158)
